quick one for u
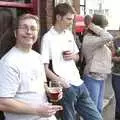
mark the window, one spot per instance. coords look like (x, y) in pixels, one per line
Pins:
(28, 5)
(62, 1)
(82, 7)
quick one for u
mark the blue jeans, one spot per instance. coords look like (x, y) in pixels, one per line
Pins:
(76, 99)
(116, 88)
(96, 89)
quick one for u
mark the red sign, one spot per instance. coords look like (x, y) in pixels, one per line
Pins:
(79, 23)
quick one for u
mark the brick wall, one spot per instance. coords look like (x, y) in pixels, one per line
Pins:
(43, 16)
(76, 5)
(46, 13)
(50, 5)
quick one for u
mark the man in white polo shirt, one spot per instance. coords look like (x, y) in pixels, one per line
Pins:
(59, 46)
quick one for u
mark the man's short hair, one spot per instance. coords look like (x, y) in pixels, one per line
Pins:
(62, 9)
(27, 16)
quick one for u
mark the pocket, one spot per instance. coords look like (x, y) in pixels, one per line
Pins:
(69, 93)
(85, 91)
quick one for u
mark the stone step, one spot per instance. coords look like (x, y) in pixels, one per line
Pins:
(107, 101)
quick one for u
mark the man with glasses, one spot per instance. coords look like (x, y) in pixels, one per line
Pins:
(22, 77)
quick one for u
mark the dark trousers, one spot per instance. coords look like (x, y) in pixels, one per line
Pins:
(116, 88)
(2, 116)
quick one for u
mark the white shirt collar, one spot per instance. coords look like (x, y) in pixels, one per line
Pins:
(55, 32)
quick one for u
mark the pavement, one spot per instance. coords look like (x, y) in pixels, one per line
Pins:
(109, 110)
(109, 101)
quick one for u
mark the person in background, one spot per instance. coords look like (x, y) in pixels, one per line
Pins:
(58, 45)
(98, 57)
(116, 75)
(22, 77)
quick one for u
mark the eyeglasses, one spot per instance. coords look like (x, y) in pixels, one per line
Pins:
(27, 28)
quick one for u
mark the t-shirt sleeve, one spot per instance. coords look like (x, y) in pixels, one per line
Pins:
(45, 49)
(9, 81)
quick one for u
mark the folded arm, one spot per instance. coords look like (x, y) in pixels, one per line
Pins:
(16, 106)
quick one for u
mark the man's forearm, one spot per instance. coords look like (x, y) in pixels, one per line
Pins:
(15, 106)
(101, 32)
(51, 75)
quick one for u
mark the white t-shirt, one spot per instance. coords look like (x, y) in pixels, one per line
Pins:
(53, 45)
(22, 77)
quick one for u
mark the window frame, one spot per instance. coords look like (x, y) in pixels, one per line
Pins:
(31, 6)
